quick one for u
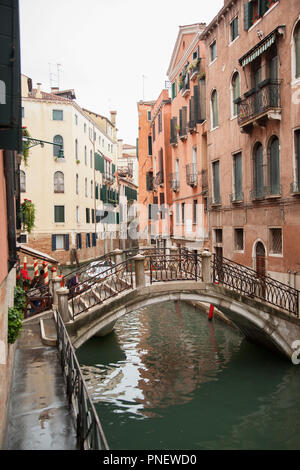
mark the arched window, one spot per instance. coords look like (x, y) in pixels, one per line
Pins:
(22, 181)
(274, 166)
(214, 109)
(297, 50)
(59, 182)
(235, 93)
(56, 148)
(258, 173)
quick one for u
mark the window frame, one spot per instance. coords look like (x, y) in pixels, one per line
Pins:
(58, 186)
(272, 253)
(57, 111)
(64, 214)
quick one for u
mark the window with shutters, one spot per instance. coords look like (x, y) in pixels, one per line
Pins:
(85, 187)
(76, 149)
(214, 109)
(87, 215)
(77, 214)
(255, 9)
(296, 184)
(177, 213)
(216, 182)
(182, 212)
(153, 131)
(59, 242)
(57, 115)
(258, 172)
(22, 181)
(275, 241)
(58, 142)
(173, 90)
(93, 216)
(274, 167)
(237, 175)
(159, 123)
(148, 115)
(195, 211)
(239, 239)
(77, 183)
(234, 29)
(59, 183)
(92, 189)
(149, 145)
(87, 240)
(91, 158)
(59, 214)
(78, 241)
(235, 94)
(213, 51)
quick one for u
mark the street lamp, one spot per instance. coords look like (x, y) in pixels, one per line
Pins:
(31, 142)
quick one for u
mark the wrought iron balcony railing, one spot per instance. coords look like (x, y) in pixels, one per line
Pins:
(108, 177)
(295, 187)
(191, 174)
(258, 102)
(185, 84)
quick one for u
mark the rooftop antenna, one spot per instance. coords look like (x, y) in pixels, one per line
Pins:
(59, 72)
(55, 78)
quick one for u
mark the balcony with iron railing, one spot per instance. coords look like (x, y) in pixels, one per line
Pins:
(262, 192)
(174, 181)
(108, 178)
(125, 171)
(185, 84)
(260, 104)
(191, 174)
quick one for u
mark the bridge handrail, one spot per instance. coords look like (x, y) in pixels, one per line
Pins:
(243, 279)
(120, 275)
(90, 435)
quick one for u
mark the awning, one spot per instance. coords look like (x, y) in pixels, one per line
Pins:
(261, 47)
(26, 250)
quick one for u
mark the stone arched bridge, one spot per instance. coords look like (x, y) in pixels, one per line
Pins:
(263, 309)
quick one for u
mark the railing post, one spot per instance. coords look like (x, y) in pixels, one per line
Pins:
(139, 270)
(118, 255)
(55, 286)
(206, 266)
(63, 307)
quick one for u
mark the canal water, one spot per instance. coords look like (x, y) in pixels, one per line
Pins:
(166, 378)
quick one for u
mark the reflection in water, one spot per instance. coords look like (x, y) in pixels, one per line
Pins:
(169, 379)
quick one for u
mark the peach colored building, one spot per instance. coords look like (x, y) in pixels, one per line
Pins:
(145, 196)
(253, 135)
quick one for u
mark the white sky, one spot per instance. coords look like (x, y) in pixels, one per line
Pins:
(105, 47)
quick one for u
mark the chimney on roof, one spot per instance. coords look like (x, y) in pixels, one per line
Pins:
(54, 89)
(113, 117)
(38, 91)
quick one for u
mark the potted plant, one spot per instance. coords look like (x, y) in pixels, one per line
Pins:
(25, 133)
(77, 161)
(27, 215)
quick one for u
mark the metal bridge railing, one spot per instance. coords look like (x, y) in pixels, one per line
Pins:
(90, 435)
(178, 267)
(245, 280)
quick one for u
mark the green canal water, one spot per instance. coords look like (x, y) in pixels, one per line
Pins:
(166, 378)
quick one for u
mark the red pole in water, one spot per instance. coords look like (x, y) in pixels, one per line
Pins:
(211, 309)
(211, 312)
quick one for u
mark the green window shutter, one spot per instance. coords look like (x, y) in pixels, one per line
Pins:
(238, 175)
(274, 167)
(67, 243)
(93, 216)
(118, 218)
(87, 215)
(99, 163)
(97, 191)
(248, 15)
(137, 148)
(59, 213)
(53, 239)
(113, 169)
(103, 194)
